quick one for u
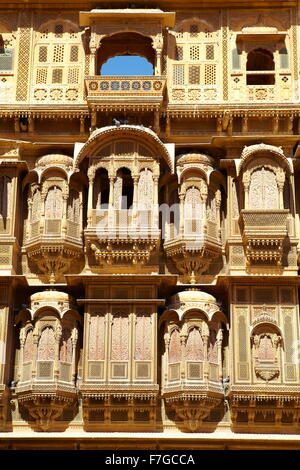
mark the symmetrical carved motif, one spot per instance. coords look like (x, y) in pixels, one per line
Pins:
(192, 363)
(48, 360)
(197, 242)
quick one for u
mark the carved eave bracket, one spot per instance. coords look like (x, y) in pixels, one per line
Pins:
(191, 258)
(45, 408)
(112, 251)
(53, 260)
(193, 409)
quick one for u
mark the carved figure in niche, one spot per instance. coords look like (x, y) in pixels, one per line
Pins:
(175, 347)
(96, 338)
(145, 190)
(46, 346)
(263, 190)
(193, 210)
(28, 347)
(73, 206)
(265, 343)
(54, 204)
(65, 349)
(5, 196)
(194, 346)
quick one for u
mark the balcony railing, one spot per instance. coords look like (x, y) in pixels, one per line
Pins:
(264, 232)
(146, 90)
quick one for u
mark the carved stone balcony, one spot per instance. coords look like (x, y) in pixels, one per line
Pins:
(119, 92)
(122, 236)
(263, 409)
(53, 245)
(192, 253)
(263, 233)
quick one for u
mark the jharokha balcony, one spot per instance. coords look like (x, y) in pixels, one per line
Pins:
(264, 233)
(146, 91)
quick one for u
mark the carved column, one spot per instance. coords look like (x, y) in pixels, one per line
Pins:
(74, 338)
(205, 336)
(90, 199)
(81, 126)
(17, 125)
(280, 177)
(181, 226)
(166, 357)
(156, 127)
(204, 193)
(155, 203)
(245, 124)
(28, 222)
(93, 120)
(275, 126)
(219, 346)
(246, 183)
(58, 333)
(183, 338)
(111, 209)
(42, 220)
(35, 340)
(218, 206)
(21, 361)
(135, 199)
(65, 208)
(168, 127)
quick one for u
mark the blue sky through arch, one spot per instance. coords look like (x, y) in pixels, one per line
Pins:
(127, 65)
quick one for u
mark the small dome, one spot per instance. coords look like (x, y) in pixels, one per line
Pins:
(196, 158)
(193, 295)
(55, 160)
(50, 296)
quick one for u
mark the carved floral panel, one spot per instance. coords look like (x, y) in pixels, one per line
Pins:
(194, 346)
(175, 347)
(54, 204)
(96, 338)
(46, 346)
(28, 347)
(143, 338)
(120, 338)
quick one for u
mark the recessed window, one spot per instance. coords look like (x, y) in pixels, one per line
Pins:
(260, 67)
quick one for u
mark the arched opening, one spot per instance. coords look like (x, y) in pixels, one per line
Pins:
(193, 211)
(123, 189)
(101, 189)
(120, 46)
(127, 65)
(261, 61)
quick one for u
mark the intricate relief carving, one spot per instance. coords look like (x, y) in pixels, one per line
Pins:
(54, 204)
(73, 210)
(28, 346)
(175, 347)
(5, 196)
(194, 346)
(120, 338)
(46, 346)
(143, 338)
(96, 337)
(145, 190)
(263, 190)
(65, 351)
